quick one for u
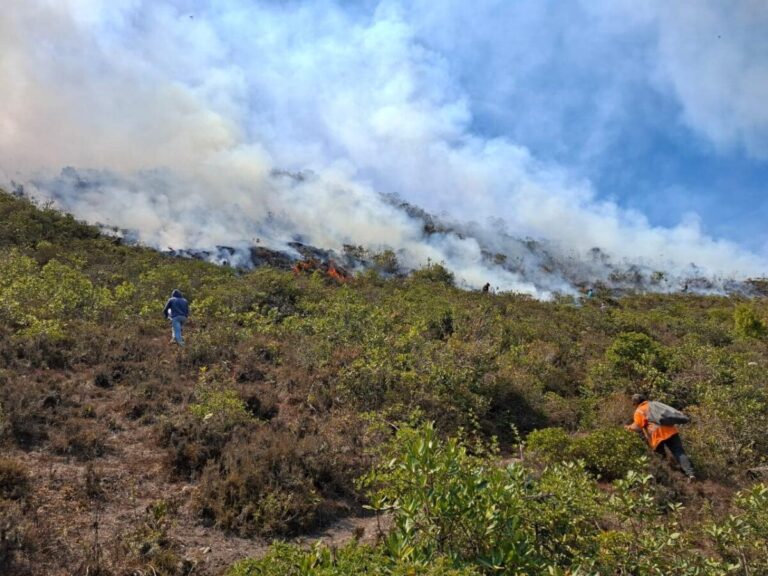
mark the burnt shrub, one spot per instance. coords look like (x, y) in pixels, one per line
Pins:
(149, 546)
(152, 398)
(114, 374)
(261, 403)
(16, 538)
(20, 529)
(14, 480)
(259, 486)
(277, 481)
(201, 432)
(102, 380)
(43, 351)
(92, 484)
(29, 409)
(441, 327)
(254, 358)
(191, 444)
(209, 347)
(81, 438)
(333, 451)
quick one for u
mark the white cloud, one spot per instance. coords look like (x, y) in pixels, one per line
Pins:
(714, 55)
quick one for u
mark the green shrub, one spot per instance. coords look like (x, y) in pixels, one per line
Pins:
(149, 547)
(22, 223)
(217, 405)
(40, 300)
(746, 322)
(647, 538)
(447, 503)
(209, 346)
(434, 273)
(550, 444)
(200, 435)
(353, 558)
(386, 262)
(636, 356)
(727, 433)
(609, 453)
(743, 538)
(297, 359)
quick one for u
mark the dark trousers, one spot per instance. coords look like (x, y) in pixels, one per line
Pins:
(675, 446)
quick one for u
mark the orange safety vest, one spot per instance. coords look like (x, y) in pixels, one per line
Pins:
(654, 433)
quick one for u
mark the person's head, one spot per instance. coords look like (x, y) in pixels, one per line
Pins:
(638, 399)
(176, 294)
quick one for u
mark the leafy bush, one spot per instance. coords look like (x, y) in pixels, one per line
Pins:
(727, 434)
(217, 405)
(353, 558)
(647, 539)
(608, 453)
(746, 322)
(632, 359)
(550, 444)
(40, 300)
(434, 273)
(449, 504)
(743, 538)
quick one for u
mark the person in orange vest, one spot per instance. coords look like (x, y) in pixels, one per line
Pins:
(659, 436)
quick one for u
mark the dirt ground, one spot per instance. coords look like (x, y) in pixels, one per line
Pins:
(99, 515)
(91, 512)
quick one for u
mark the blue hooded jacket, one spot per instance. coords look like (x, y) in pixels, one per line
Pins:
(177, 305)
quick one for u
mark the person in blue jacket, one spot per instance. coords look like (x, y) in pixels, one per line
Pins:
(177, 311)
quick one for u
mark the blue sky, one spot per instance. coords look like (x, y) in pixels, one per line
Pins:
(637, 127)
(588, 80)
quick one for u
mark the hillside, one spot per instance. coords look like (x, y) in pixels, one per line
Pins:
(486, 427)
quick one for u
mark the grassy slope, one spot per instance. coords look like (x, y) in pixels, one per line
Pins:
(260, 425)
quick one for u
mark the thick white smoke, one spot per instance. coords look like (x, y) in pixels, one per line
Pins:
(176, 116)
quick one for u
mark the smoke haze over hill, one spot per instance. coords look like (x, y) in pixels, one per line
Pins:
(199, 124)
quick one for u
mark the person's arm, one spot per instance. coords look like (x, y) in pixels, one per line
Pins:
(639, 424)
(165, 310)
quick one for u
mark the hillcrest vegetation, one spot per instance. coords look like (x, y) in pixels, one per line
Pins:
(375, 424)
